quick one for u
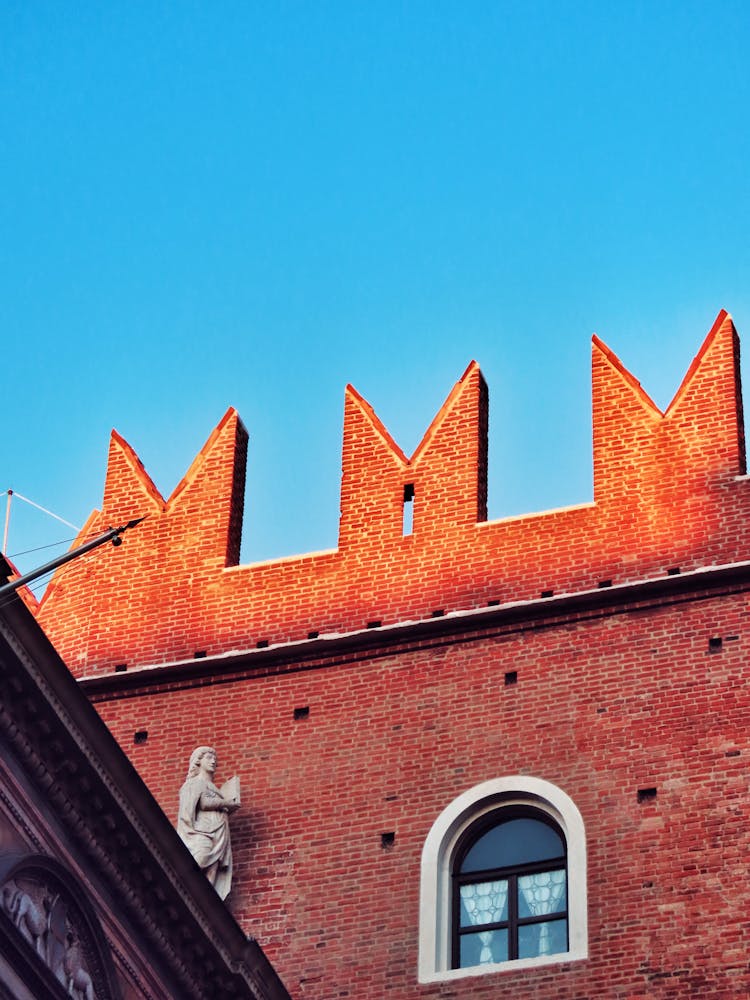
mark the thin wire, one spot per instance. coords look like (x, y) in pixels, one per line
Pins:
(5, 601)
(52, 545)
(41, 580)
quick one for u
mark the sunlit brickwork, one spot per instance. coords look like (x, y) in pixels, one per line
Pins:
(628, 682)
(665, 492)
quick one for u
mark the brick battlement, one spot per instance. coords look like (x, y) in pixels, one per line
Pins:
(666, 495)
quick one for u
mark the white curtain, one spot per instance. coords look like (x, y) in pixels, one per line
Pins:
(542, 894)
(484, 903)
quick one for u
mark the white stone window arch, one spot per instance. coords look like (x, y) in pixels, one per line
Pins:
(435, 903)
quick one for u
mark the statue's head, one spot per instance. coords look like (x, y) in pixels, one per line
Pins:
(196, 757)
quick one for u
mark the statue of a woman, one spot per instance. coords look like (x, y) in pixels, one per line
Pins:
(203, 821)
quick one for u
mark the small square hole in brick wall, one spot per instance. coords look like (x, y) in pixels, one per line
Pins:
(511, 677)
(646, 794)
(141, 736)
(261, 644)
(548, 593)
(387, 839)
(375, 623)
(493, 604)
(199, 654)
(604, 583)
(714, 644)
(301, 713)
(437, 613)
(120, 668)
(673, 571)
(313, 634)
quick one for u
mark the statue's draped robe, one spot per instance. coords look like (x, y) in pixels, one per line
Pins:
(206, 832)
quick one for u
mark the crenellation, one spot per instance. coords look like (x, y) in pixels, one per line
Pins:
(666, 493)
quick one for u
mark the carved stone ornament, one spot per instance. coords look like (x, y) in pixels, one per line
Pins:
(203, 820)
(49, 912)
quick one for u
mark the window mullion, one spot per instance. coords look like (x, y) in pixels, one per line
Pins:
(512, 917)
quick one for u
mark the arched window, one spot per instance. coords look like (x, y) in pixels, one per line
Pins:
(509, 892)
(503, 881)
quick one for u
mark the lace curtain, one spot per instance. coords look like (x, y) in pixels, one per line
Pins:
(484, 903)
(543, 893)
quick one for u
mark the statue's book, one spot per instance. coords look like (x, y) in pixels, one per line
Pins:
(231, 790)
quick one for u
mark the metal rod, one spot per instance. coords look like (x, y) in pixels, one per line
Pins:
(7, 521)
(111, 534)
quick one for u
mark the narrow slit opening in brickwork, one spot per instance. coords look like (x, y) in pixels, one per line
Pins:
(511, 677)
(646, 794)
(437, 613)
(407, 524)
(714, 644)
(548, 593)
(601, 710)
(199, 654)
(674, 571)
(120, 668)
(141, 736)
(733, 753)
(261, 644)
(387, 840)
(313, 634)
(493, 603)
(604, 583)
(731, 638)
(301, 713)
(375, 623)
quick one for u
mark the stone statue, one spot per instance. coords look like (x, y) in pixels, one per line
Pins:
(26, 915)
(203, 821)
(48, 933)
(57, 936)
(80, 984)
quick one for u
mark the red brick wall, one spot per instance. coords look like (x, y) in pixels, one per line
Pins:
(607, 701)
(602, 708)
(665, 492)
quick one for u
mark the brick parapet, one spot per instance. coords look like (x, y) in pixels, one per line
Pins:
(666, 489)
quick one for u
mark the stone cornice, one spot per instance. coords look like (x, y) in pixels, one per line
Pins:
(400, 637)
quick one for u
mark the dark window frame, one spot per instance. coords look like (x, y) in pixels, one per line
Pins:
(509, 873)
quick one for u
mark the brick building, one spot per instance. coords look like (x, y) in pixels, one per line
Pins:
(482, 758)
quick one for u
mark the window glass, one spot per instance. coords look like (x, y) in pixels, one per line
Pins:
(484, 947)
(549, 938)
(514, 842)
(510, 890)
(541, 893)
(483, 903)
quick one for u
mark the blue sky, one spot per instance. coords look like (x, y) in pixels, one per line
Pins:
(207, 204)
